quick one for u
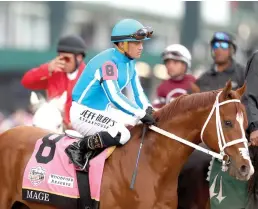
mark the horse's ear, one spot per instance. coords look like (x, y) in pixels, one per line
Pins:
(34, 100)
(41, 98)
(241, 90)
(226, 90)
(59, 102)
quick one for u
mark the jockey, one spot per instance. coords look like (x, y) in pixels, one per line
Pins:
(60, 74)
(177, 60)
(99, 110)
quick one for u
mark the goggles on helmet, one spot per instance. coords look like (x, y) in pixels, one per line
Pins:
(174, 55)
(171, 55)
(141, 34)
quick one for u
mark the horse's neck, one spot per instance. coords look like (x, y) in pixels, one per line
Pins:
(161, 158)
(174, 154)
(160, 161)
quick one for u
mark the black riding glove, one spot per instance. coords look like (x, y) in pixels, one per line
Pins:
(148, 119)
(149, 110)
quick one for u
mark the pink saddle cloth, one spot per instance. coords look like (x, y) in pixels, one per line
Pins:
(50, 172)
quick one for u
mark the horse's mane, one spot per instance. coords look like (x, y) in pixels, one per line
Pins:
(185, 103)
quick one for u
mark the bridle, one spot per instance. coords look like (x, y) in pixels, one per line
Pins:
(221, 139)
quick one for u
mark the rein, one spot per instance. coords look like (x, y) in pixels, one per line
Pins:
(221, 139)
(184, 141)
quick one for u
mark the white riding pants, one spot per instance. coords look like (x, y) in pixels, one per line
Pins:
(89, 121)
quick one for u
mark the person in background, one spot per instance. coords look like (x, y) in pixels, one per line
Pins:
(177, 60)
(250, 100)
(223, 48)
(60, 74)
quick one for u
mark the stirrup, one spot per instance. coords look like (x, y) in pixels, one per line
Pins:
(87, 157)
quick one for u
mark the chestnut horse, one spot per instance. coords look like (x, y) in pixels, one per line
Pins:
(189, 116)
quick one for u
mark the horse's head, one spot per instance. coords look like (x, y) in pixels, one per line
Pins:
(224, 131)
(36, 100)
(48, 115)
(59, 102)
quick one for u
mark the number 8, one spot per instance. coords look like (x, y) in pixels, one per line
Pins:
(109, 70)
(46, 142)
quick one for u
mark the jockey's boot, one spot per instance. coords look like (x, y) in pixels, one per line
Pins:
(79, 151)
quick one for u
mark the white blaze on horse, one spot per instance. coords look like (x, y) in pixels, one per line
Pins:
(48, 114)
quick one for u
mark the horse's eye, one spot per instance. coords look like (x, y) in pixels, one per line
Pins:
(228, 123)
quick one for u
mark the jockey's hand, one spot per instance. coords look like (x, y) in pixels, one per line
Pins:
(56, 65)
(148, 119)
(254, 138)
(149, 110)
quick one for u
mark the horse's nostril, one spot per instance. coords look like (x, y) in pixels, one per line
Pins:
(244, 170)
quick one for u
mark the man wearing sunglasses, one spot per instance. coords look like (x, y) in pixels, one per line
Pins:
(177, 60)
(100, 112)
(60, 74)
(223, 48)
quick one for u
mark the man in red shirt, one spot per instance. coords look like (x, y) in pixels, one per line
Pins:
(61, 73)
(177, 60)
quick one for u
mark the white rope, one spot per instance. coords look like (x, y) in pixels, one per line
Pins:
(221, 139)
(172, 136)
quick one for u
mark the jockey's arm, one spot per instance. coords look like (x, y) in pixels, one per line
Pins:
(36, 78)
(139, 95)
(114, 94)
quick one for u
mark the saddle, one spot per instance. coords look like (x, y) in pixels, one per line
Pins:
(50, 179)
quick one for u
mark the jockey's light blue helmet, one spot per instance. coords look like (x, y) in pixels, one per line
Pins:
(123, 30)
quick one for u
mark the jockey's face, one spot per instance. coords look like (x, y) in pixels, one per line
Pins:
(175, 68)
(70, 62)
(135, 49)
